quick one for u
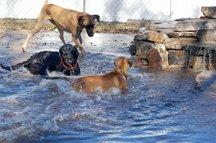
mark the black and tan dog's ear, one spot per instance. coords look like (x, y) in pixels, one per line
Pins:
(75, 52)
(97, 17)
(61, 50)
(80, 19)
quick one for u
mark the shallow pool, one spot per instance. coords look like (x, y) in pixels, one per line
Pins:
(161, 106)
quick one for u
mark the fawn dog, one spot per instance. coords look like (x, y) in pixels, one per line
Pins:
(114, 79)
(65, 20)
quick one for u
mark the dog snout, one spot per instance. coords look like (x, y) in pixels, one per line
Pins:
(70, 61)
(91, 34)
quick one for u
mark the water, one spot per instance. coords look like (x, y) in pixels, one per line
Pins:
(158, 106)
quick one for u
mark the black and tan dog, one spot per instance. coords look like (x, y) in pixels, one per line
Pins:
(65, 20)
(114, 79)
(64, 61)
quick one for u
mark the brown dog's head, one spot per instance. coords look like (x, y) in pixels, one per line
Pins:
(88, 22)
(122, 64)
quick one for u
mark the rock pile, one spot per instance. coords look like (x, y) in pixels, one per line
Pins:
(183, 42)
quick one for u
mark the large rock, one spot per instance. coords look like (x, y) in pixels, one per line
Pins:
(206, 79)
(209, 12)
(142, 48)
(154, 59)
(176, 57)
(182, 34)
(151, 36)
(197, 63)
(178, 43)
(207, 36)
(163, 53)
(157, 57)
(195, 25)
(201, 56)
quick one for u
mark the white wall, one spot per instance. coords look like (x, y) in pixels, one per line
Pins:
(111, 10)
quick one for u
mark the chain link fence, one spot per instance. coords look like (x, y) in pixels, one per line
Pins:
(22, 13)
(111, 10)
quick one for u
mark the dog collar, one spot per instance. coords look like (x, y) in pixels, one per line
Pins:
(125, 75)
(67, 66)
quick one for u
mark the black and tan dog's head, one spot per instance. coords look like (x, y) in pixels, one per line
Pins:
(88, 22)
(69, 54)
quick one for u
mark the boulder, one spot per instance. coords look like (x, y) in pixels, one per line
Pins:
(151, 36)
(140, 63)
(201, 56)
(154, 59)
(182, 34)
(157, 57)
(198, 63)
(176, 57)
(209, 12)
(132, 49)
(207, 36)
(205, 79)
(164, 24)
(195, 25)
(163, 54)
(143, 30)
(142, 48)
(178, 43)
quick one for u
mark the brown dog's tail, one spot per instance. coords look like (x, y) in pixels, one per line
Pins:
(11, 68)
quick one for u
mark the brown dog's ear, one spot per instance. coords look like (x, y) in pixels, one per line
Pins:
(130, 63)
(115, 63)
(95, 16)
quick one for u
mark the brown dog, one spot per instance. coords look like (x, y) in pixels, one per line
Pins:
(114, 79)
(65, 20)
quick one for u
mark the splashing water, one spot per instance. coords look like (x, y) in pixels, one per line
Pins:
(158, 106)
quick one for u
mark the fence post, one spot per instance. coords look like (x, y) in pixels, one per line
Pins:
(170, 9)
(84, 5)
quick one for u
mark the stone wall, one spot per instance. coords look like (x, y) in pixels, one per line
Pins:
(183, 42)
